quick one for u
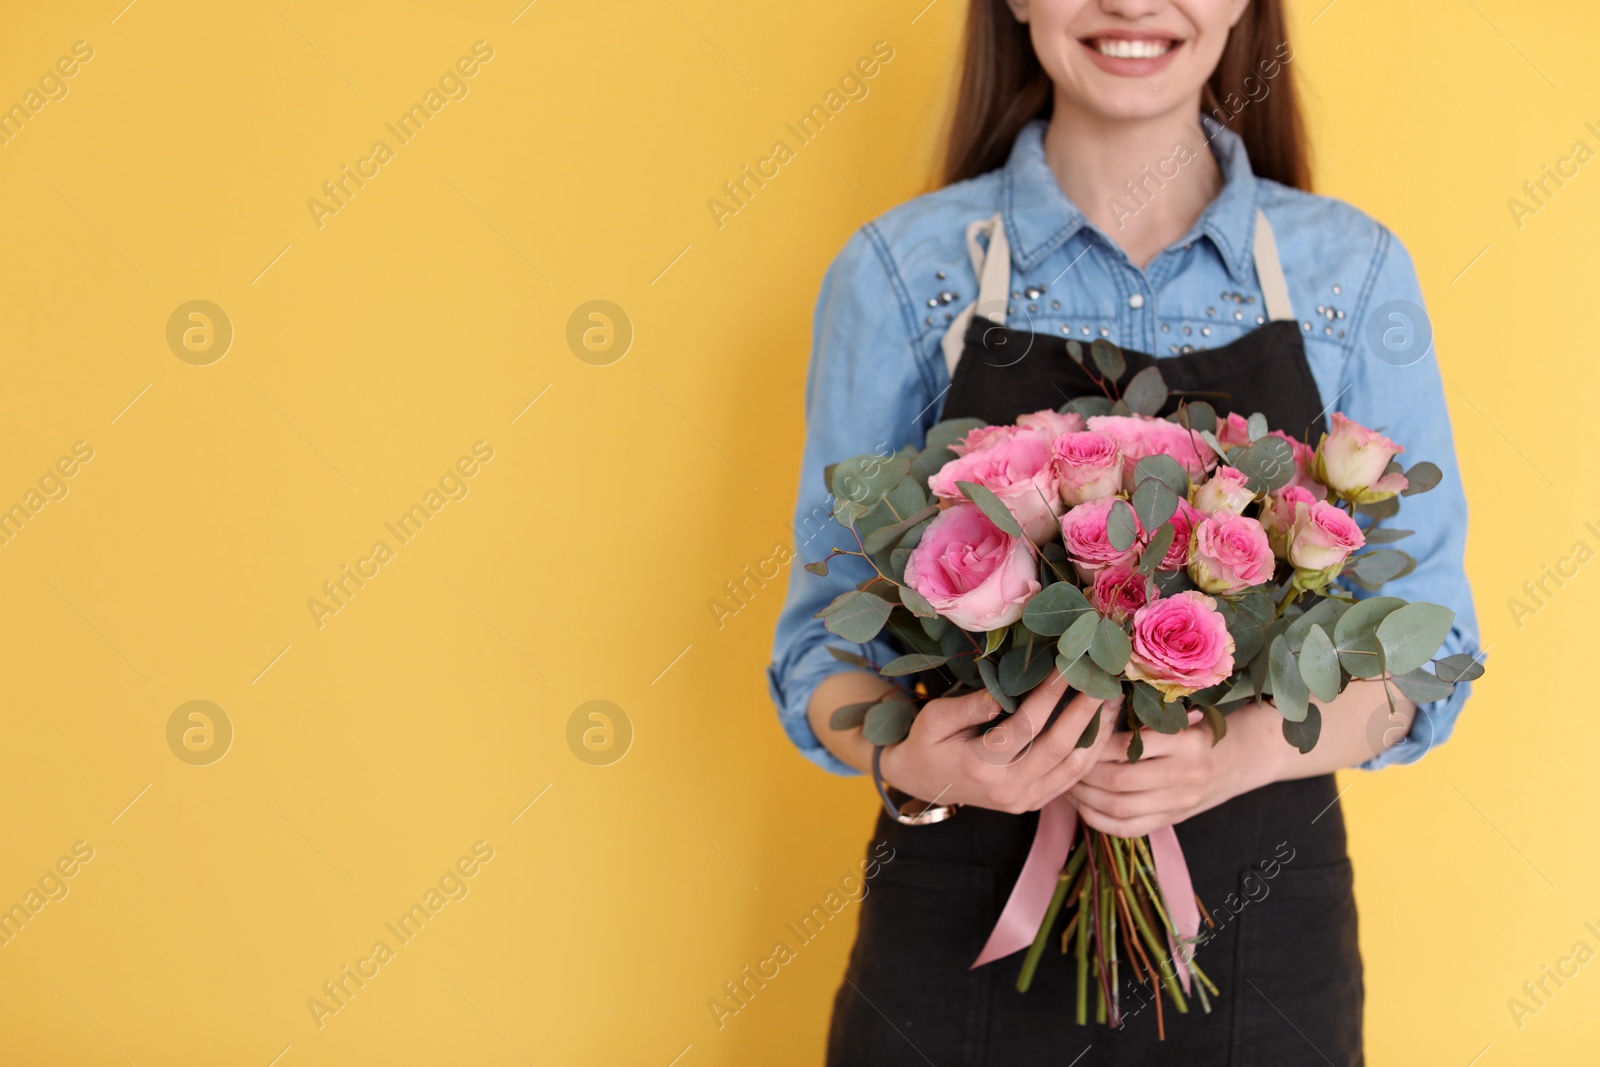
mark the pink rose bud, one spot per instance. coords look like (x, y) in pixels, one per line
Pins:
(1142, 435)
(1119, 591)
(1083, 535)
(1181, 644)
(1088, 466)
(1233, 431)
(1230, 554)
(1018, 470)
(1278, 513)
(1305, 466)
(972, 572)
(1351, 461)
(1183, 522)
(1322, 537)
(1051, 424)
(1226, 490)
(981, 438)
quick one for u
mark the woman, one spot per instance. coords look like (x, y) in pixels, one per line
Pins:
(1133, 170)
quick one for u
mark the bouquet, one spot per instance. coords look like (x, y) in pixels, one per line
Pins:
(1186, 563)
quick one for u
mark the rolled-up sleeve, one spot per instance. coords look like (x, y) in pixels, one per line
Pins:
(868, 390)
(1399, 392)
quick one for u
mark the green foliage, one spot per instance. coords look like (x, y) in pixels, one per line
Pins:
(1146, 393)
(856, 616)
(1054, 609)
(1304, 733)
(1412, 634)
(1122, 527)
(990, 505)
(888, 723)
(1162, 716)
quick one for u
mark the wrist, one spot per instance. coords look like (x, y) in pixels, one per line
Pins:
(1269, 753)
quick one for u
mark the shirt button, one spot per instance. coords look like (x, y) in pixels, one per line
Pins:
(1136, 301)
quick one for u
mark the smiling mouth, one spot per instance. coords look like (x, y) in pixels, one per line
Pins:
(1131, 48)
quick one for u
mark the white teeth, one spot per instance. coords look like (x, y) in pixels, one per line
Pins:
(1118, 48)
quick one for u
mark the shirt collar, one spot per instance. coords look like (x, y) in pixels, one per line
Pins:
(1040, 219)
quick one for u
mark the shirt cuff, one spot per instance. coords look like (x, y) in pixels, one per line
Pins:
(792, 694)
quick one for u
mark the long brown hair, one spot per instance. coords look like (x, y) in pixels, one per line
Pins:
(1003, 88)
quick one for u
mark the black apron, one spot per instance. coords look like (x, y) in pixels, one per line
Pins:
(1270, 866)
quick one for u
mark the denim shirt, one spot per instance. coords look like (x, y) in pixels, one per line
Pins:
(877, 374)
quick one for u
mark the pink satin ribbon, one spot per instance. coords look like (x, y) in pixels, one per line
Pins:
(1030, 897)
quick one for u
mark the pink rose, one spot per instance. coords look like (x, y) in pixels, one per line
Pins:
(1351, 460)
(1083, 535)
(1018, 470)
(1230, 554)
(1322, 537)
(1088, 466)
(1183, 522)
(981, 438)
(1278, 513)
(972, 572)
(1051, 424)
(1119, 591)
(1142, 435)
(1226, 490)
(1233, 430)
(1181, 644)
(1305, 466)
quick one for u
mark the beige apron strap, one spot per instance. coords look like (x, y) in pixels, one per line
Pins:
(1269, 272)
(993, 270)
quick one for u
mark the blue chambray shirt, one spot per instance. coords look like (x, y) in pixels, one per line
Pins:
(877, 373)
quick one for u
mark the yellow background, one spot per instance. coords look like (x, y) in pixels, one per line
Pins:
(369, 754)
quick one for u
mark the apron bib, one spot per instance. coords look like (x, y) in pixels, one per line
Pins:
(1270, 865)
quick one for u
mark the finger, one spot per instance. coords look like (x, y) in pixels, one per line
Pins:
(949, 716)
(1128, 828)
(1068, 770)
(1146, 803)
(1060, 740)
(1003, 744)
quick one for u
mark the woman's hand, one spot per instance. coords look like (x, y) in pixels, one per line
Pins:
(948, 758)
(1182, 774)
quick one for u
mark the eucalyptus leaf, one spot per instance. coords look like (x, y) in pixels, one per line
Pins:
(898, 558)
(1422, 477)
(1090, 731)
(1247, 631)
(820, 567)
(1108, 358)
(1411, 635)
(1304, 733)
(846, 656)
(912, 664)
(1362, 656)
(1162, 716)
(1383, 535)
(1085, 677)
(1423, 686)
(1154, 503)
(884, 536)
(1363, 617)
(1289, 692)
(1218, 723)
(1379, 510)
(1257, 427)
(1078, 637)
(1075, 352)
(1122, 526)
(1164, 469)
(1268, 463)
(1202, 417)
(1319, 664)
(1087, 406)
(1146, 393)
(889, 723)
(1022, 668)
(1380, 565)
(850, 716)
(916, 603)
(1135, 746)
(991, 681)
(990, 505)
(950, 431)
(856, 616)
(1461, 667)
(1109, 647)
(1052, 610)
(1155, 551)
